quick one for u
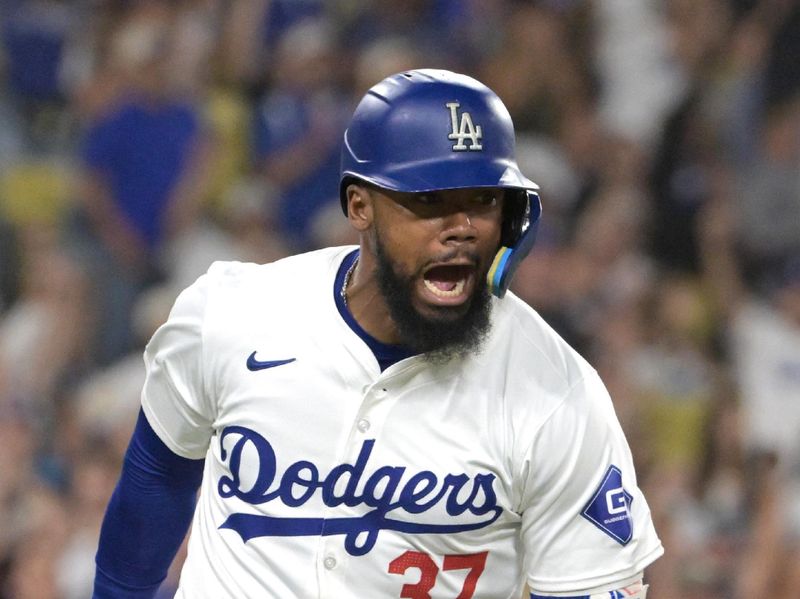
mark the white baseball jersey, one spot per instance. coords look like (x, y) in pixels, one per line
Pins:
(326, 478)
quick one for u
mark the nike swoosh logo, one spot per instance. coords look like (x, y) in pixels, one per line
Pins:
(254, 365)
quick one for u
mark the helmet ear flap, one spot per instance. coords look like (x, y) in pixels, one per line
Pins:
(516, 216)
(520, 221)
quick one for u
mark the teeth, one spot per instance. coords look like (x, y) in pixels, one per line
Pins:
(455, 291)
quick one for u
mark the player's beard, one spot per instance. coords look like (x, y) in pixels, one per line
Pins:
(451, 333)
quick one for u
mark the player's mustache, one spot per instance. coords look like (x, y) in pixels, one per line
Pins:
(462, 255)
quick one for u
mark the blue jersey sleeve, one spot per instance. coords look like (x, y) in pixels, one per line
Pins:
(147, 517)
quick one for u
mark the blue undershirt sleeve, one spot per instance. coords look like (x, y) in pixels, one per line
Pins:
(147, 517)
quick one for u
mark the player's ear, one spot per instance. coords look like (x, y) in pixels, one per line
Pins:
(359, 206)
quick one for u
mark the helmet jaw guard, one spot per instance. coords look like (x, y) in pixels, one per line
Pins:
(520, 232)
(429, 130)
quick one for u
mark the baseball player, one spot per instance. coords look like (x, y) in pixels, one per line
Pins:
(383, 420)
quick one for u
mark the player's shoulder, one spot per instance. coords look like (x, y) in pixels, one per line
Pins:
(241, 290)
(307, 267)
(295, 279)
(532, 351)
(532, 374)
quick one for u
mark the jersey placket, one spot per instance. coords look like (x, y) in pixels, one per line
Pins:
(366, 425)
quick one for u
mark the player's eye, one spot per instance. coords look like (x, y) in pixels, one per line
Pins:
(427, 198)
(486, 199)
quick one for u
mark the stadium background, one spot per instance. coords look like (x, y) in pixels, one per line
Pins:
(665, 135)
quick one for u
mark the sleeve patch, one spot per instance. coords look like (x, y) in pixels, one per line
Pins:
(609, 507)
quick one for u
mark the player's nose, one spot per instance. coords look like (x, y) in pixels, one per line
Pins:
(458, 227)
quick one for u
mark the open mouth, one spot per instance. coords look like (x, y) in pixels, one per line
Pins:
(448, 281)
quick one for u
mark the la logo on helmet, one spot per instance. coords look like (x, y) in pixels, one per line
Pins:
(463, 130)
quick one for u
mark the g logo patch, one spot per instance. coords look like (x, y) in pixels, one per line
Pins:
(608, 509)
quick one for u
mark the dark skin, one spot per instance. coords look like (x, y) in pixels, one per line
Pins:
(444, 239)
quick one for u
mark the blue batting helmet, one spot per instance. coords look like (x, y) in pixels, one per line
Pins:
(429, 130)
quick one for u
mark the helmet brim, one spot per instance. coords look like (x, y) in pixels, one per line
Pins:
(422, 176)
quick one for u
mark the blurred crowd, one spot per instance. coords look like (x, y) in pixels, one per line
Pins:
(141, 140)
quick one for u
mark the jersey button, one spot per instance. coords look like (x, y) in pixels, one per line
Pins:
(380, 393)
(363, 425)
(329, 562)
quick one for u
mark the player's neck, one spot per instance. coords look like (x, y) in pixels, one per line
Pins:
(366, 303)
